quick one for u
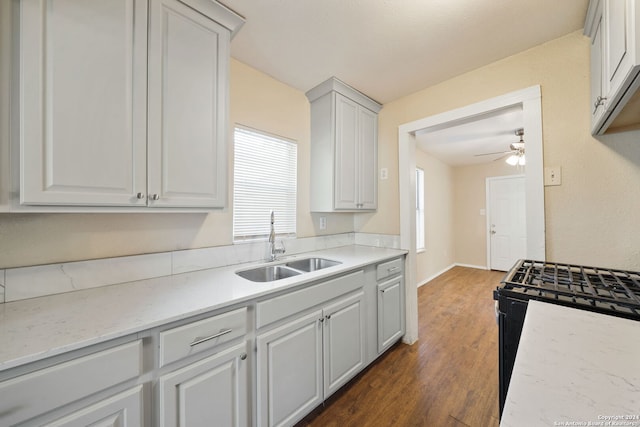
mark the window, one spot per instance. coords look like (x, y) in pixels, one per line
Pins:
(419, 210)
(265, 179)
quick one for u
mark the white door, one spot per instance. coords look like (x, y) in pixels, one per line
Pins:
(212, 390)
(507, 225)
(187, 107)
(289, 371)
(83, 98)
(343, 342)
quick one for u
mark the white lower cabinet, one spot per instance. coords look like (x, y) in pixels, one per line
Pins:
(390, 313)
(211, 391)
(308, 358)
(39, 394)
(122, 410)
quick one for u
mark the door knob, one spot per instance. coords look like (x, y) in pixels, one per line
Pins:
(140, 196)
(155, 197)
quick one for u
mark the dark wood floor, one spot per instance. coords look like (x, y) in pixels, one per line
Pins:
(448, 378)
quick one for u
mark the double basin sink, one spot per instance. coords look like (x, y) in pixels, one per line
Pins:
(269, 273)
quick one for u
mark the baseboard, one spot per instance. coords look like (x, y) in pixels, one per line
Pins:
(479, 267)
(430, 278)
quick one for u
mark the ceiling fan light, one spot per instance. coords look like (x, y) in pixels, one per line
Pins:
(522, 161)
(512, 160)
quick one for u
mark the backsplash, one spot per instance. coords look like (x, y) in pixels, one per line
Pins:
(30, 282)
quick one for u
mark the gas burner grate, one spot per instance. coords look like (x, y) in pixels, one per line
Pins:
(606, 289)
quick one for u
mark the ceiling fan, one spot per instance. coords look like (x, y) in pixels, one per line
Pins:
(515, 153)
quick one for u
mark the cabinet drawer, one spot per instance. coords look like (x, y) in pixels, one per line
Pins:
(390, 268)
(294, 302)
(41, 391)
(204, 334)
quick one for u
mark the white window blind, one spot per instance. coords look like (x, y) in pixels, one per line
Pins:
(265, 179)
(419, 210)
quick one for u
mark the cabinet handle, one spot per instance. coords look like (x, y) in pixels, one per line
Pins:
(243, 356)
(155, 197)
(392, 269)
(200, 340)
(321, 319)
(140, 196)
(599, 101)
(328, 316)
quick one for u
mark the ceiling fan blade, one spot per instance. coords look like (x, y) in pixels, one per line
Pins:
(491, 154)
(502, 157)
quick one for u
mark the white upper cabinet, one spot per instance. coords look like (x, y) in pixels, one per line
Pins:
(83, 102)
(188, 63)
(344, 148)
(614, 29)
(100, 125)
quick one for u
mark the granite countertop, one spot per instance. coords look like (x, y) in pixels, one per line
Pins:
(37, 328)
(574, 367)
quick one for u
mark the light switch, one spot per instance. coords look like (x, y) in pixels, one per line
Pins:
(384, 173)
(552, 176)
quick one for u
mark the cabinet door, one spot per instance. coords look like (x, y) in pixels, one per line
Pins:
(390, 313)
(122, 410)
(618, 59)
(188, 75)
(597, 104)
(368, 149)
(82, 102)
(344, 349)
(346, 152)
(289, 370)
(213, 390)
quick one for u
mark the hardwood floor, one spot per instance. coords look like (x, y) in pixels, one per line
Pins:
(448, 378)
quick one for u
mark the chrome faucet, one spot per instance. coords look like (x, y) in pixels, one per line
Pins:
(273, 250)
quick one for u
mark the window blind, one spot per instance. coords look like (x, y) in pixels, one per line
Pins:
(265, 179)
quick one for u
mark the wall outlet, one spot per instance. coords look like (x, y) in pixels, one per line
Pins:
(552, 176)
(323, 223)
(384, 173)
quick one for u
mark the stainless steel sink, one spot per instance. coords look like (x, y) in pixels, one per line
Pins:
(312, 264)
(268, 273)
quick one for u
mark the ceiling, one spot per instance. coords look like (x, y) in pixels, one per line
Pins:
(459, 144)
(391, 48)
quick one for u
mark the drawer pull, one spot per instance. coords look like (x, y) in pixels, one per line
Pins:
(392, 269)
(200, 340)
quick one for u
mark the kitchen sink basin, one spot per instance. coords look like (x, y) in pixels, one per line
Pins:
(312, 264)
(268, 273)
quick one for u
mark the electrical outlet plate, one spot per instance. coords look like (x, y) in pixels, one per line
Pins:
(384, 173)
(323, 223)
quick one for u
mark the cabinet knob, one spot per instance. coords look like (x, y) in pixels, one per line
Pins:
(243, 356)
(328, 316)
(321, 319)
(140, 196)
(155, 197)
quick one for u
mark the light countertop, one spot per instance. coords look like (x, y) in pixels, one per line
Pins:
(574, 367)
(37, 328)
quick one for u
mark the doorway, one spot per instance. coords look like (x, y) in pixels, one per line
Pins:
(506, 221)
(530, 101)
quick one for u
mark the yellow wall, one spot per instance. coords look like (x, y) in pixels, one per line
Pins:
(438, 217)
(592, 217)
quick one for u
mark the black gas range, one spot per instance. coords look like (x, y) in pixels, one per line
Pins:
(603, 290)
